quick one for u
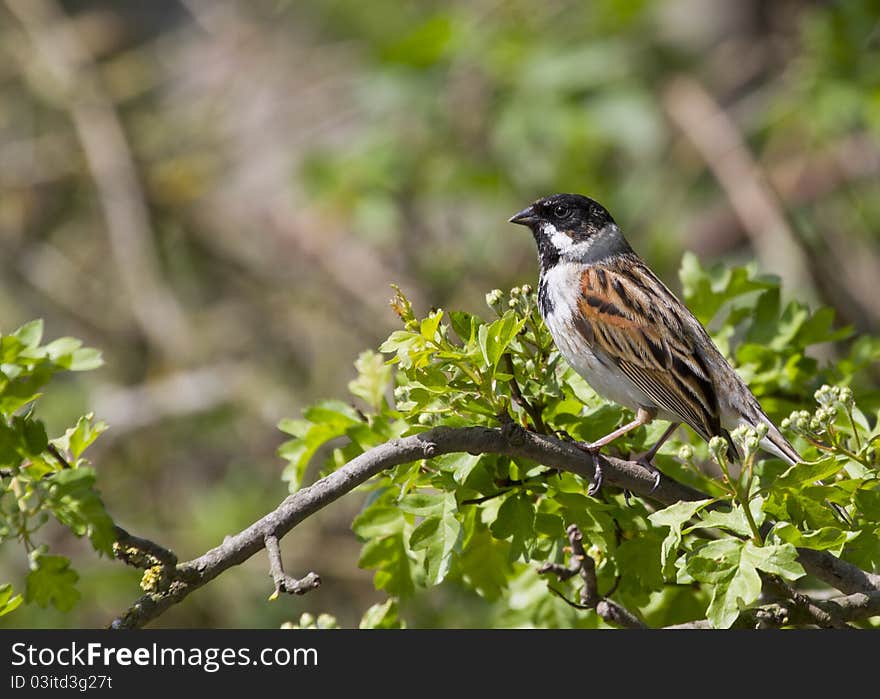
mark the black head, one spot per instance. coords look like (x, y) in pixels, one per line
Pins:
(571, 226)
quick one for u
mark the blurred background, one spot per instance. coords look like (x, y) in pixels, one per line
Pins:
(217, 194)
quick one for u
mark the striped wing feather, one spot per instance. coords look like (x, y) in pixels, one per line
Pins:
(633, 319)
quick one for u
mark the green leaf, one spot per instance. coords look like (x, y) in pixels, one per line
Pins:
(823, 539)
(74, 501)
(8, 603)
(51, 581)
(78, 438)
(429, 325)
(733, 520)
(389, 557)
(86, 359)
(423, 504)
(495, 338)
(516, 521)
(328, 420)
(374, 376)
(61, 347)
(30, 333)
(378, 520)
(465, 326)
(799, 475)
(716, 561)
(732, 595)
(382, 616)
(438, 535)
(780, 559)
(674, 517)
(32, 434)
(461, 465)
(485, 564)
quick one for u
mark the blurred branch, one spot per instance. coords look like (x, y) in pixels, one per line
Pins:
(722, 147)
(236, 549)
(179, 393)
(109, 158)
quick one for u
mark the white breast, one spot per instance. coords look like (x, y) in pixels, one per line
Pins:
(562, 283)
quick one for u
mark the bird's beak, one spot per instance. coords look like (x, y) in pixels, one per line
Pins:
(526, 217)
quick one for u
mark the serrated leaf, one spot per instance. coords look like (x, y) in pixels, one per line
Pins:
(494, 338)
(779, 559)
(51, 581)
(423, 504)
(732, 595)
(382, 616)
(516, 521)
(389, 557)
(714, 562)
(800, 475)
(32, 433)
(461, 465)
(485, 564)
(378, 520)
(8, 603)
(823, 539)
(437, 536)
(374, 377)
(77, 505)
(674, 517)
(78, 438)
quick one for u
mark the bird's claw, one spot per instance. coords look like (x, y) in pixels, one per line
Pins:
(563, 436)
(647, 465)
(598, 475)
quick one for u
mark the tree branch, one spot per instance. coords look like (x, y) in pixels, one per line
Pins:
(581, 563)
(790, 612)
(191, 575)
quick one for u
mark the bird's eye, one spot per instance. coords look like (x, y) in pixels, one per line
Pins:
(561, 211)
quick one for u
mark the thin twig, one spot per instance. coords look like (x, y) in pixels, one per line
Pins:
(580, 563)
(53, 450)
(520, 400)
(283, 581)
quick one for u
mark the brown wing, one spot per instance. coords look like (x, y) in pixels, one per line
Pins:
(632, 318)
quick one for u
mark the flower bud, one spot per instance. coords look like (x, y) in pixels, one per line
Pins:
(494, 298)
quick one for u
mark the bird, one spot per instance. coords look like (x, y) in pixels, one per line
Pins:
(630, 337)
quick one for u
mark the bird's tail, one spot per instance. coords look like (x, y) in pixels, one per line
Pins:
(778, 445)
(775, 443)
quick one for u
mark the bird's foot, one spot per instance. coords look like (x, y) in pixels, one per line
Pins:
(598, 475)
(645, 462)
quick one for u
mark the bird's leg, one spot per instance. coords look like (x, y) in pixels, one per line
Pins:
(647, 458)
(643, 417)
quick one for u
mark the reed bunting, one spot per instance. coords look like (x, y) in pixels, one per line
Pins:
(628, 335)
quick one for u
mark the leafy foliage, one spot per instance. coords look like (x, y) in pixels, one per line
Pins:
(42, 477)
(482, 522)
